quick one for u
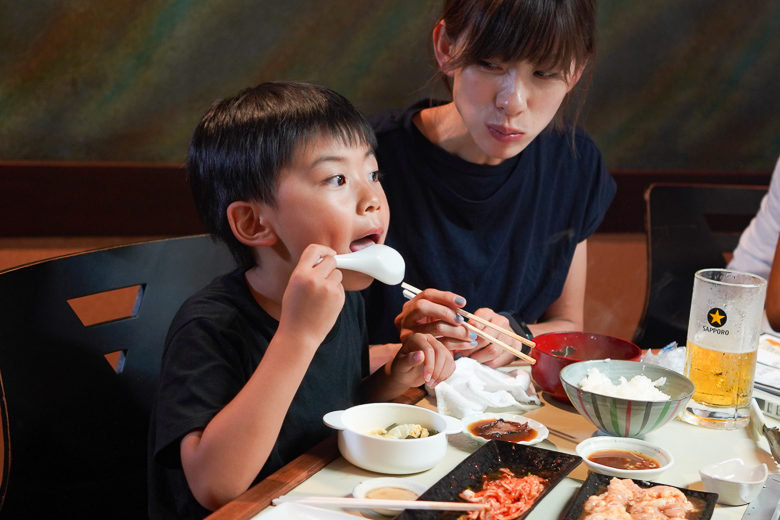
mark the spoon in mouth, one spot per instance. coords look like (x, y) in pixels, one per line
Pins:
(377, 261)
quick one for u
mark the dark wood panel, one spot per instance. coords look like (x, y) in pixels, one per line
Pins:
(627, 213)
(40, 199)
(95, 199)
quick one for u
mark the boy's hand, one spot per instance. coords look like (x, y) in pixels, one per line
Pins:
(488, 353)
(314, 296)
(434, 312)
(422, 359)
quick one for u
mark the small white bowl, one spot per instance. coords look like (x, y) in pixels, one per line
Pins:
(391, 456)
(541, 430)
(589, 446)
(364, 487)
(734, 482)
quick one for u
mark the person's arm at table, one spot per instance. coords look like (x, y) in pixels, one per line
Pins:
(773, 292)
(434, 312)
(567, 313)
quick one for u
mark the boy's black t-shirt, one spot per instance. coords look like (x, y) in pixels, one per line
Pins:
(501, 236)
(214, 345)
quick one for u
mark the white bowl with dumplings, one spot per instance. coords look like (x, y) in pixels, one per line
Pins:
(393, 456)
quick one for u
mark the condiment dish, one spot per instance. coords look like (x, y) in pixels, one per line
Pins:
(588, 447)
(734, 482)
(541, 430)
(366, 487)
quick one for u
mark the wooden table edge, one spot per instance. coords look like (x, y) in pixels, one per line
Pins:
(279, 483)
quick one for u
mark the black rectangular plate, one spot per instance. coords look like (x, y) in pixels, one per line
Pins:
(518, 458)
(596, 484)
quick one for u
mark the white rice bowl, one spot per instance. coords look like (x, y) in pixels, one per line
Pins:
(640, 387)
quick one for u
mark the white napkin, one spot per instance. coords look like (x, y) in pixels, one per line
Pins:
(671, 356)
(475, 388)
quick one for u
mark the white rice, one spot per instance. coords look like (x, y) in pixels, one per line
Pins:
(641, 387)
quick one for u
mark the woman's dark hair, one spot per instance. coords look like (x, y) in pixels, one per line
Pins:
(243, 142)
(552, 34)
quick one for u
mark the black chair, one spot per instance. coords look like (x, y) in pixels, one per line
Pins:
(689, 227)
(76, 397)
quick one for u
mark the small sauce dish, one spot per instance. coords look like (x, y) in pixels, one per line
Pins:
(540, 431)
(389, 488)
(630, 448)
(734, 482)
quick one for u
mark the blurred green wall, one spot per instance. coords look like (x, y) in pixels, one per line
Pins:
(679, 84)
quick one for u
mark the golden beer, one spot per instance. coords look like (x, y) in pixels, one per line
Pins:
(722, 379)
(722, 347)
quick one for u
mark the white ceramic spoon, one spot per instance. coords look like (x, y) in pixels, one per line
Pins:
(378, 261)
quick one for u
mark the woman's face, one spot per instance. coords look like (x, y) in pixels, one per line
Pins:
(503, 106)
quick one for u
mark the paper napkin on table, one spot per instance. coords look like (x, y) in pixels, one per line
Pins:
(475, 388)
(671, 356)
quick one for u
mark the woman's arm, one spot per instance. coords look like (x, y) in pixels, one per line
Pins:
(567, 313)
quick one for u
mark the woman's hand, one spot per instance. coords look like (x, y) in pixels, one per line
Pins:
(434, 312)
(488, 353)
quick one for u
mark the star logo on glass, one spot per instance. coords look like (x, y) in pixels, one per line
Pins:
(716, 317)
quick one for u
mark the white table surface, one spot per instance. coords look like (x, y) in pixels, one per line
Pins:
(692, 447)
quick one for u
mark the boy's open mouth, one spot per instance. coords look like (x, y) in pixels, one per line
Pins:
(362, 243)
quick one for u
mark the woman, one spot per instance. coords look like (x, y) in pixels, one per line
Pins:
(492, 194)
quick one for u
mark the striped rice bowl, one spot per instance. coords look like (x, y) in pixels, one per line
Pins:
(623, 417)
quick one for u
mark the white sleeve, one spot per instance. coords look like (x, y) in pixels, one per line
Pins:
(757, 244)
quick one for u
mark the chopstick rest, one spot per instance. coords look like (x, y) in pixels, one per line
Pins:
(410, 292)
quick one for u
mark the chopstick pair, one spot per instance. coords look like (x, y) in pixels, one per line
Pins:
(411, 291)
(370, 503)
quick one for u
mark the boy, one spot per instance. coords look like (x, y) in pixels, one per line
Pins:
(285, 175)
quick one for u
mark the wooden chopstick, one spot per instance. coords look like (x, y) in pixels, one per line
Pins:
(498, 342)
(559, 433)
(370, 503)
(484, 322)
(409, 294)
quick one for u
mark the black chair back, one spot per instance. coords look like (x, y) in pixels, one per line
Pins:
(689, 227)
(76, 397)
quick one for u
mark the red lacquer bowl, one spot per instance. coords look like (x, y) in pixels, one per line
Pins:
(587, 346)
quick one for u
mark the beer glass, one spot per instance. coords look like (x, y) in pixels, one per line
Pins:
(723, 333)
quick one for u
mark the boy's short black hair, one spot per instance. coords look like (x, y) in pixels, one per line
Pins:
(243, 142)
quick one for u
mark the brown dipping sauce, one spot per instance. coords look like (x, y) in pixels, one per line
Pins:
(623, 459)
(504, 430)
(392, 493)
